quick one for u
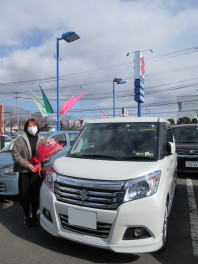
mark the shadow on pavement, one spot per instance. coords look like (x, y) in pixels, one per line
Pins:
(178, 251)
(179, 247)
(11, 216)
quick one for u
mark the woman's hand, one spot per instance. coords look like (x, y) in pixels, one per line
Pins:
(31, 167)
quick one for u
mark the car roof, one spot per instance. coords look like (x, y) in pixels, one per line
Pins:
(50, 133)
(129, 119)
(185, 125)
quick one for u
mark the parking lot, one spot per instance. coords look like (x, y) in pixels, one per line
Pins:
(20, 245)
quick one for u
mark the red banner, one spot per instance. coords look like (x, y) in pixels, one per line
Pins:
(1, 110)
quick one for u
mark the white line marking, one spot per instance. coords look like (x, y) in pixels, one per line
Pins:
(193, 216)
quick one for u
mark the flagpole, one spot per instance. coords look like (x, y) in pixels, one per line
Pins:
(3, 120)
(57, 57)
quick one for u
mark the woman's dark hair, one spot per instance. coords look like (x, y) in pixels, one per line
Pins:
(35, 122)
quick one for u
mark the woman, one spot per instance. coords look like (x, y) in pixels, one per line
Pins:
(24, 148)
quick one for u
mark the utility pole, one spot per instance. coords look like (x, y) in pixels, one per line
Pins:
(16, 97)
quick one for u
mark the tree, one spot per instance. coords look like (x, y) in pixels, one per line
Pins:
(172, 121)
(184, 120)
(187, 120)
(194, 121)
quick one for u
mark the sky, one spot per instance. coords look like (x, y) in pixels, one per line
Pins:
(108, 30)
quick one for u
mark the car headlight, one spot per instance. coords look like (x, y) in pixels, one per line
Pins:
(8, 170)
(50, 178)
(142, 187)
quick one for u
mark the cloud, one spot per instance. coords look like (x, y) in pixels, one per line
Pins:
(108, 30)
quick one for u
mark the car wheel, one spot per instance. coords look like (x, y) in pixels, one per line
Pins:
(165, 229)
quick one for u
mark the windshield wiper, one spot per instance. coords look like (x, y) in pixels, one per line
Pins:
(92, 156)
(186, 142)
(138, 158)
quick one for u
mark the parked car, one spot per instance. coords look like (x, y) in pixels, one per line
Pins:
(9, 179)
(5, 140)
(8, 134)
(186, 136)
(13, 134)
(115, 188)
(16, 134)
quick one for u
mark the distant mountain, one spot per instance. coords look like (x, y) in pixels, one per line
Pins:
(13, 109)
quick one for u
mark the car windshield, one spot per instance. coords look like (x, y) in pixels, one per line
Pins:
(8, 147)
(117, 141)
(44, 134)
(186, 134)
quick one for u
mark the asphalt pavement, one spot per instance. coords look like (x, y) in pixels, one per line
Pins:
(22, 246)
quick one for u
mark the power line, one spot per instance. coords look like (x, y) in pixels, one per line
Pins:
(91, 98)
(103, 69)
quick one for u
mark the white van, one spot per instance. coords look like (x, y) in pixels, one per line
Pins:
(115, 188)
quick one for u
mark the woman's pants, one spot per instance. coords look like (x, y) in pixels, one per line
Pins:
(29, 192)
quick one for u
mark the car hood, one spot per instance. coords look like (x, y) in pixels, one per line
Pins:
(5, 159)
(187, 146)
(103, 169)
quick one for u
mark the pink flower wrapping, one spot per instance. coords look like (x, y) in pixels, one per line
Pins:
(47, 148)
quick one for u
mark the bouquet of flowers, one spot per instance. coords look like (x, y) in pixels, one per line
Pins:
(46, 149)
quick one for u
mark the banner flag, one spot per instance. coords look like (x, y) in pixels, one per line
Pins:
(65, 105)
(195, 117)
(103, 113)
(48, 107)
(1, 114)
(142, 65)
(40, 105)
(139, 65)
(73, 102)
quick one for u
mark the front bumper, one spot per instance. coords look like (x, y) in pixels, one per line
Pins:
(181, 164)
(147, 213)
(9, 185)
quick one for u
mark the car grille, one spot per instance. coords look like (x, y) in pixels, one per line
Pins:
(95, 194)
(2, 187)
(187, 152)
(102, 230)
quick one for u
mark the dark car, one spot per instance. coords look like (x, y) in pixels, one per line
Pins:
(186, 137)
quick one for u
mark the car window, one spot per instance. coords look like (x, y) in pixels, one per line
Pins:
(186, 134)
(8, 134)
(118, 141)
(43, 134)
(61, 139)
(8, 147)
(164, 138)
(169, 135)
(72, 137)
(7, 139)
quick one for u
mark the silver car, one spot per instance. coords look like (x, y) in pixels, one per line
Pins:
(9, 178)
(5, 140)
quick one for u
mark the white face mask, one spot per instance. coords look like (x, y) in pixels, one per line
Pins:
(32, 130)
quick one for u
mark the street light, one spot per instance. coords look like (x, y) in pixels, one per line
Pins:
(118, 81)
(68, 37)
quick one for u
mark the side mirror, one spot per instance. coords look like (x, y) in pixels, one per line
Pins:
(170, 148)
